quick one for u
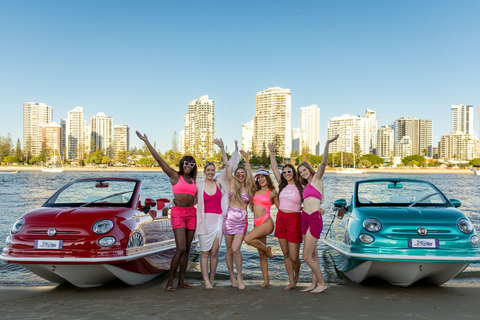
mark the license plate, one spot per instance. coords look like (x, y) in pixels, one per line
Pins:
(423, 243)
(49, 244)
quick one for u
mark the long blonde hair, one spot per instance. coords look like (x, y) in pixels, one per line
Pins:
(237, 187)
(304, 182)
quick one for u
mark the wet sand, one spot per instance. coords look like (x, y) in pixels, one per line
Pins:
(371, 300)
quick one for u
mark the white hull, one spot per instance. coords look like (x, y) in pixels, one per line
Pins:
(477, 172)
(52, 170)
(406, 273)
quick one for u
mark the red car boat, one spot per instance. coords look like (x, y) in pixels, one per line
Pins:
(92, 231)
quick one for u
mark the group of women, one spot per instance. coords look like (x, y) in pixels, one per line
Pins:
(221, 210)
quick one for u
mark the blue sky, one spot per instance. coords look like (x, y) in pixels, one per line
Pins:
(141, 62)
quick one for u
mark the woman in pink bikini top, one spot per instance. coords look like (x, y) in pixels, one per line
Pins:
(312, 223)
(265, 196)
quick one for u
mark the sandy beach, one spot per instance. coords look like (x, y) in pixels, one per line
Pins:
(371, 300)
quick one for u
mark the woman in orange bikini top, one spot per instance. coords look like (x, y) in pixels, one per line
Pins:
(265, 196)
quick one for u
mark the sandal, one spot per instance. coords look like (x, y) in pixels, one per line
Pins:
(170, 288)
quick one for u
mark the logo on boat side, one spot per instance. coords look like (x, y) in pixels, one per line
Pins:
(422, 231)
(51, 232)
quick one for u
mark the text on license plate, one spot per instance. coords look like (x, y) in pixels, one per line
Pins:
(48, 244)
(423, 243)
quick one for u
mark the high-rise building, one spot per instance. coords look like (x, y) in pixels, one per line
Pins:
(200, 127)
(75, 144)
(419, 131)
(458, 145)
(349, 128)
(34, 116)
(121, 138)
(462, 118)
(371, 117)
(181, 142)
(404, 147)
(273, 121)
(247, 136)
(101, 127)
(310, 129)
(385, 142)
(51, 141)
(296, 140)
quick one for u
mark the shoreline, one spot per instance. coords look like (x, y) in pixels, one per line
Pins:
(157, 169)
(115, 300)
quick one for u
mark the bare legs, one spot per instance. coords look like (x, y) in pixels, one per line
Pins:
(292, 262)
(234, 242)
(258, 238)
(213, 253)
(183, 241)
(310, 256)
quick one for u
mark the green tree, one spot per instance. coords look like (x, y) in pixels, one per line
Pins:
(146, 162)
(474, 162)
(18, 151)
(415, 159)
(357, 149)
(10, 159)
(373, 159)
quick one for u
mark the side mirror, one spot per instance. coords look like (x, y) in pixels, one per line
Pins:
(150, 202)
(153, 213)
(340, 203)
(161, 203)
(456, 203)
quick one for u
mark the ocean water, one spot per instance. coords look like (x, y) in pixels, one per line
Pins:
(25, 191)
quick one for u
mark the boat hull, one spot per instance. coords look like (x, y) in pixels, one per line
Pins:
(95, 273)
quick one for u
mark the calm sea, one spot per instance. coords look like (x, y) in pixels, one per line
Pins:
(25, 191)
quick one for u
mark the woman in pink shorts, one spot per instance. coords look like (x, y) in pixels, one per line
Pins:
(312, 222)
(288, 227)
(235, 223)
(183, 214)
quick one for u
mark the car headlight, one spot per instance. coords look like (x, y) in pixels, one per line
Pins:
(9, 239)
(465, 225)
(474, 240)
(366, 238)
(372, 225)
(102, 226)
(106, 241)
(18, 225)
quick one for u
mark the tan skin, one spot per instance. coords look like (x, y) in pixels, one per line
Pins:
(290, 250)
(310, 205)
(258, 236)
(183, 237)
(234, 242)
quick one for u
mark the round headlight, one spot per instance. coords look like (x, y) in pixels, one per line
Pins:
(102, 226)
(465, 225)
(106, 241)
(366, 238)
(18, 225)
(372, 225)
(9, 239)
(474, 240)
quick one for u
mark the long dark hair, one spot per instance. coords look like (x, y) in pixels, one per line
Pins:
(269, 184)
(193, 173)
(283, 182)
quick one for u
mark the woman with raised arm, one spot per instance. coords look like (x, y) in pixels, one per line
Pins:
(265, 196)
(312, 223)
(212, 204)
(235, 223)
(289, 217)
(183, 214)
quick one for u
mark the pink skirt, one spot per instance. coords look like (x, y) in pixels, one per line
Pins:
(313, 221)
(235, 221)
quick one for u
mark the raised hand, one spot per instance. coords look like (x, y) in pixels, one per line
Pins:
(333, 139)
(218, 142)
(142, 137)
(236, 145)
(244, 154)
(271, 146)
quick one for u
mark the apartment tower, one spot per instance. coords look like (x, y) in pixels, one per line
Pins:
(310, 129)
(273, 121)
(199, 130)
(101, 138)
(121, 136)
(34, 116)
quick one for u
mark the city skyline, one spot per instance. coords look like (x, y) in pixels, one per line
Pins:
(401, 59)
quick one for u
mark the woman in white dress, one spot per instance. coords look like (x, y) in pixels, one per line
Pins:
(212, 203)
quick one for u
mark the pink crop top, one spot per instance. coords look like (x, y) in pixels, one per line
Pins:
(213, 204)
(183, 186)
(290, 199)
(263, 200)
(310, 191)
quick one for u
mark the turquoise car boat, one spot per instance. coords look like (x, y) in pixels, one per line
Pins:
(402, 231)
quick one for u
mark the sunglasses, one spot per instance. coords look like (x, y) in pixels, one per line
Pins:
(190, 164)
(287, 171)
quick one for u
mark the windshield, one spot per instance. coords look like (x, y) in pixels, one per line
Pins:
(96, 192)
(398, 192)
